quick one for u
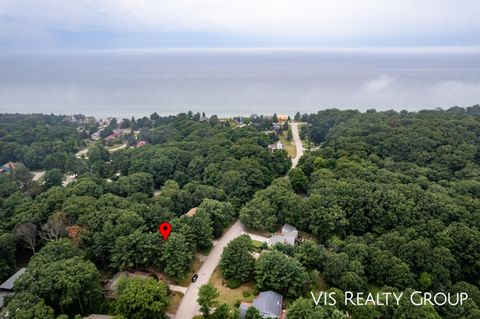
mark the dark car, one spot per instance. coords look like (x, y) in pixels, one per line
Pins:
(194, 278)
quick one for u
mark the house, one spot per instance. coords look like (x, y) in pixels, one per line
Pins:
(268, 303)
(6, 289)
(7, 168)
(288, 237)
(276, 126)
(10, 282)
(192, 212)
(96, 136)
(115, 134)
(141, 143)
(282, 118)
(276, 146)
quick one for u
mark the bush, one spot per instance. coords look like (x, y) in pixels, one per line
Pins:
(233, 283)
(246, 294)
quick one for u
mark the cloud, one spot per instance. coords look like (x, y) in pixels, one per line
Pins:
(451, 91)
(310, 19)
(383, 82)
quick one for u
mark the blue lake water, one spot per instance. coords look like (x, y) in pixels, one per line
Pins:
(237, 81)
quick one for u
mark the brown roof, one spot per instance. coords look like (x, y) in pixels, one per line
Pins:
(192, 212)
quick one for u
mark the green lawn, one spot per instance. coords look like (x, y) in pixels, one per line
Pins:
(257, 244)
(231, 296)
(289, 146)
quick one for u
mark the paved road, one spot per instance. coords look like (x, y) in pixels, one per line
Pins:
(189, 307)
(124, 145)
(298, 143)
(181, 289)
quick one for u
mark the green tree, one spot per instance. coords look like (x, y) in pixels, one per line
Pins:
(303, 308)
(24, 305)
(139, 298)
(136, 250)
(221, 312)
(237, 261)
(206, 298)
(278, 272)
(308, 254)
(297, 117)
(65, 282)
(177, 255)
(221, 214)
(407, 310)
(7, 255)
(298, 180)
(253, 313)
(97, 152)
(258, 214)
(53, 177)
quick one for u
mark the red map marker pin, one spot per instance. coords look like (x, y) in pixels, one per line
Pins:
(165, 229)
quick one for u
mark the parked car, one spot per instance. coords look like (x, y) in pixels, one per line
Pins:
(194, 278)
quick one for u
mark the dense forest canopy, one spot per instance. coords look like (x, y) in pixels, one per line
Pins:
(388, 201)
(106, 220)
(38, 141)
(393, 198)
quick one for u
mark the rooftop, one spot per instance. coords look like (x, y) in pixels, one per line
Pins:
(288, 228)
(192, 212)
(269, 302)
(10, 282)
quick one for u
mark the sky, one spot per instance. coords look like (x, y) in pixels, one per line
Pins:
(27, 25)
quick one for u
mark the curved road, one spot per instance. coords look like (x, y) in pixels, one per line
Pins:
(189, 307)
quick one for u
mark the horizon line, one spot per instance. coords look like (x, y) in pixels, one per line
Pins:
(447, 48)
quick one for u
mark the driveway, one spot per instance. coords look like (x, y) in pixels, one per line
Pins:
(298, 143)
(189, 307)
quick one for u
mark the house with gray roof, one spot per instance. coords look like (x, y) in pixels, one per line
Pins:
(288, 237)
(6, 289)
(10, 282)
(268, 303)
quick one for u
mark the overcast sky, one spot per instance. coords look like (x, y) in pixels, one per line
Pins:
(128, 24)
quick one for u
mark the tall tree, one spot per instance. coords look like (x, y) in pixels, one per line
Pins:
(278, 272)
(236, 261)
(206, 299)
(139, 298)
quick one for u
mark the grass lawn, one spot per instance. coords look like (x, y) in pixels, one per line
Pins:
(175, 299)
(257, 244)
(230, 296)
(289, 146)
